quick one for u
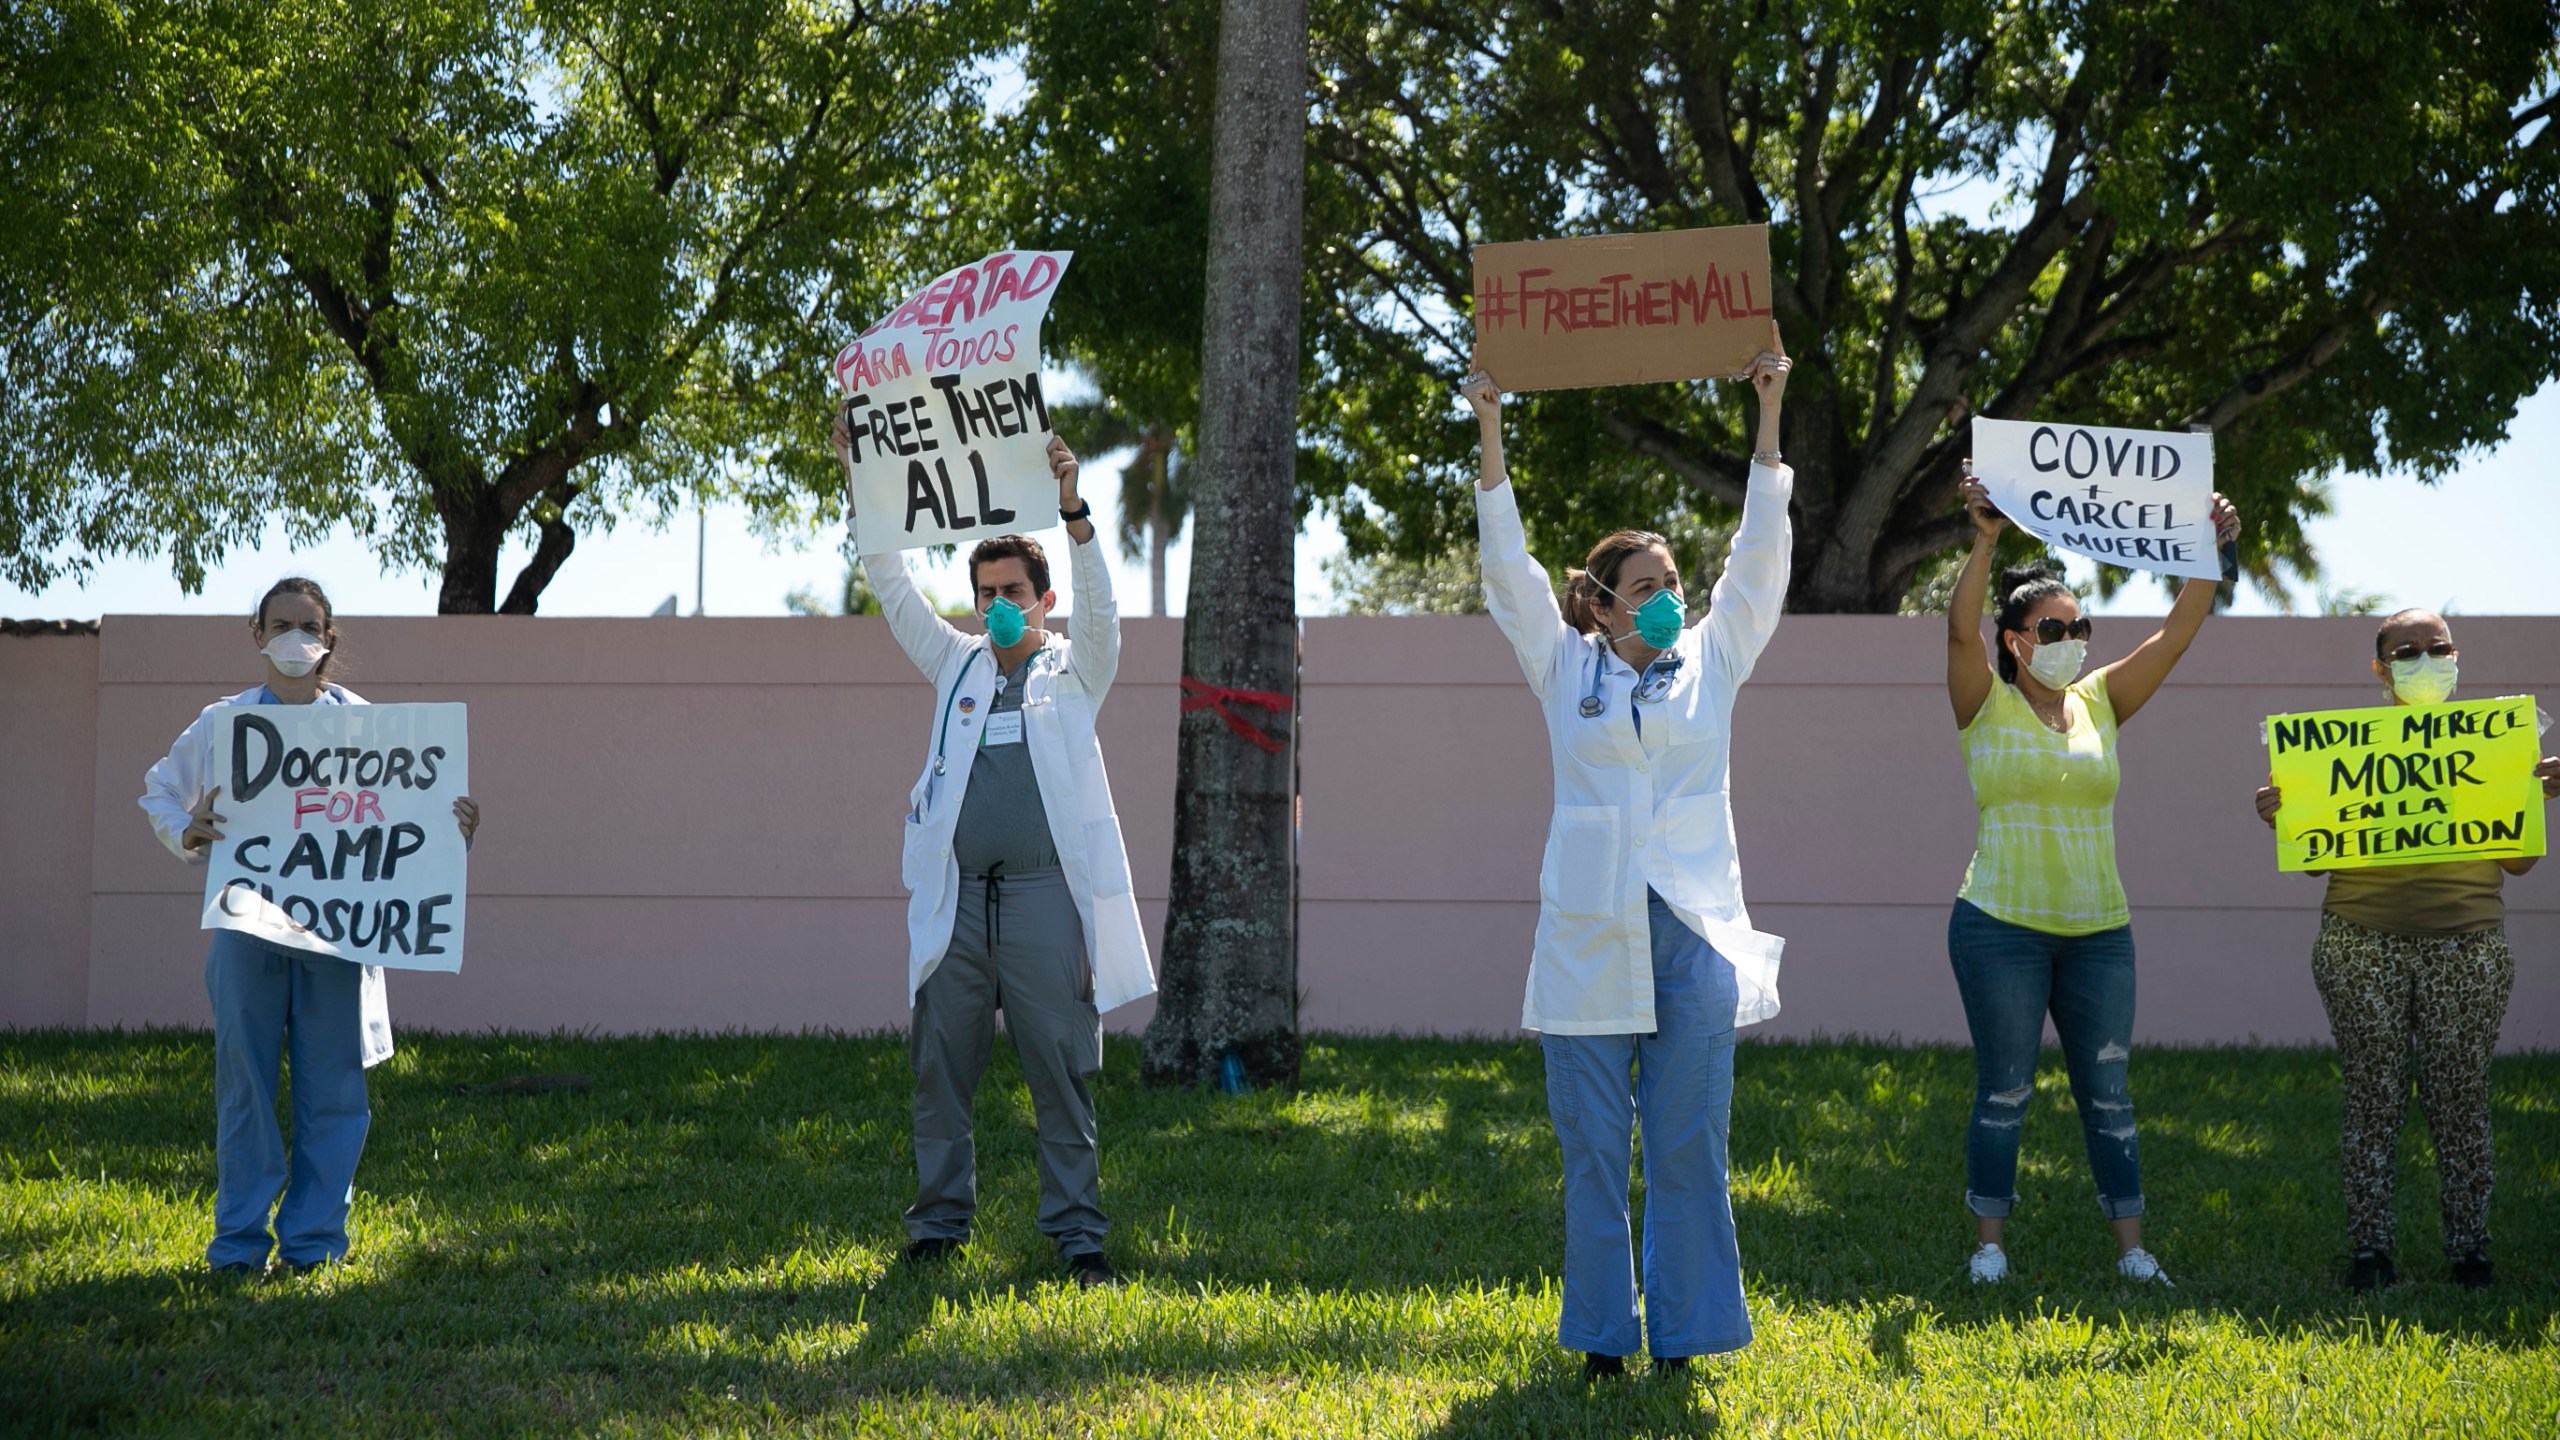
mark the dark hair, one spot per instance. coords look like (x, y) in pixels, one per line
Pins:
(310, 590)
(2022, 588)
(2401, 617)
(1010, 547)
(1583, 587)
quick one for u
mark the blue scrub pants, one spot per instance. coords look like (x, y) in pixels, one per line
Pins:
(269, 1003)
(1679, 1079)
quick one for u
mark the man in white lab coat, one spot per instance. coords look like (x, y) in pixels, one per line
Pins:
(1019, 882)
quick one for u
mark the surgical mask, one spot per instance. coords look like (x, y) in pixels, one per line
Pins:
(1659, 619)
(295, 652)
(2058, 664)
(2427, 680)
(1005, 623)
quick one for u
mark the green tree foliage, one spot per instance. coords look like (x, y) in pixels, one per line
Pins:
(1450, 584)
(449, 274)
(2329, 230)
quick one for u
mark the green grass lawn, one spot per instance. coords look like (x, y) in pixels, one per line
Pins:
(707, 1241)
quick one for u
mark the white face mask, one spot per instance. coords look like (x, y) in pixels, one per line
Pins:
(2427, 680)
(2058, 664)
(295, 652)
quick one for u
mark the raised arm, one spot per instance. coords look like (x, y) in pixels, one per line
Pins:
(2133, 680)
(1752, 592)
(929, 640)
(1516, 588)
(1969, 673)
(1094, 659)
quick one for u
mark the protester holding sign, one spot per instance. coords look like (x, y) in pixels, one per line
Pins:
(1019, 882)
(271, 1002)
(2414, 957)
(2040, 925)
(1645, 959)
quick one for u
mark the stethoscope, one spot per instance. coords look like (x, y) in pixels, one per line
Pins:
(943, 738)
(1650, 688)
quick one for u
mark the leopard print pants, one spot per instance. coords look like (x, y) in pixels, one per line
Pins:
(2439, 997)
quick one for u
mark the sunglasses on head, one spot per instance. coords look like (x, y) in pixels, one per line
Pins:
(2442, 650)
(2049, 631)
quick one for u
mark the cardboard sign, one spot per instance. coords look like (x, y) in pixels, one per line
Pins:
(950, 431)
(338, 833)
(2406, 784)
(2139, 498)
(1623, 309)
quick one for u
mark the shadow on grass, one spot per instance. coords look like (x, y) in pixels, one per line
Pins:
(1849, 1177)
(719, 1217)
(1563, 1404)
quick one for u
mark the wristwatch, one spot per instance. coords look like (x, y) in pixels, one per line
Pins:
(1083, 511)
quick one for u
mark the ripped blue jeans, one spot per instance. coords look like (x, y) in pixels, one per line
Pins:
(2010, 977)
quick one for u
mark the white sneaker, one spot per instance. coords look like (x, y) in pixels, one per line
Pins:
(1988, 1266)
(2143, 1268)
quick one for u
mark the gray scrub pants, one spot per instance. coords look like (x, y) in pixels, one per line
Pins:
(1017, 945)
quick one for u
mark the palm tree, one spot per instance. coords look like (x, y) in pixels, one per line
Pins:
(1155, 496)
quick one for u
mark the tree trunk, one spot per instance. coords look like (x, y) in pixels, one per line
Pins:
(1230, 951)
(1159, 540)
(558, 539)
(474, 533)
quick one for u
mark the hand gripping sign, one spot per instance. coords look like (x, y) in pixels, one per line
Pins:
(2138, 498)
(943, 402)
(2406, 784)
(1623, 309)
(338, 833)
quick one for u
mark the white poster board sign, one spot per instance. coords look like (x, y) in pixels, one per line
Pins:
(2138, 498)
(950, 431)
(338, 833)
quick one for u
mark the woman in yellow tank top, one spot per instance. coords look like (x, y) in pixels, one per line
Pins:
(2040, 926)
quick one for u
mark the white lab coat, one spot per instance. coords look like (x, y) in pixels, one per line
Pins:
(170, 790)
(1060, 695)
(1635, 811)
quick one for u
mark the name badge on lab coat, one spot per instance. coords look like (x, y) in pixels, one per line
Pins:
(1005, 728)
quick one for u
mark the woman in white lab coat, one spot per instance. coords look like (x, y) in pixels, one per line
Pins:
(270, 1003)
(1645, 958)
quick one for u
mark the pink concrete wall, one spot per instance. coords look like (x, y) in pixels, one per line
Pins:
(48, 734)
(691, 824)
(1426, 794)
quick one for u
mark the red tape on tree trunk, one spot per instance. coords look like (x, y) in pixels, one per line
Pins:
(1202, 696)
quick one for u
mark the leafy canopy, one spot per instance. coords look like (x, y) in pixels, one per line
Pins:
(450, 274)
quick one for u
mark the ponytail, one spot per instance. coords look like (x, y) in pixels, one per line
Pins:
(1588, 588)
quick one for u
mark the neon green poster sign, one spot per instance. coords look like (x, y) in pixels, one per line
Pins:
(2406, 784)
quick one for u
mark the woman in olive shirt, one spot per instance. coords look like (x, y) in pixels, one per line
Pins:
(2416, 953)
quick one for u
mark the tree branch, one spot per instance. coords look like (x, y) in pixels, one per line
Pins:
(550, 551)
(1913, 548)
(1717, 476)
(2260, 386)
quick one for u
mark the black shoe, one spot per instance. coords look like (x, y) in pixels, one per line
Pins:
(2371, 1270)
(1091, 1271)
(934, 1249)
(1603, 1367)
(284, 1269)
(1670, 1364)
(2472, 1272)
(239, 1270)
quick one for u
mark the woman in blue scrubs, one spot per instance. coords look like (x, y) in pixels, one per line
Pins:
(324, 1016)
